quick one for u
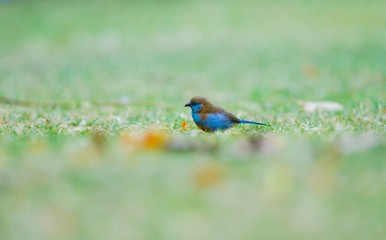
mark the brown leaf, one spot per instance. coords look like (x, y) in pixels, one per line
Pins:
(310, 71)
(208, 176)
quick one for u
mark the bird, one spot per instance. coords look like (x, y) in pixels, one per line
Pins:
(210, 118)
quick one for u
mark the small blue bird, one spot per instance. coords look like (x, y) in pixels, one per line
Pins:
(210, 118)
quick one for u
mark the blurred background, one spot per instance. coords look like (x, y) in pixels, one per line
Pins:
(271, 52)
(96, 142)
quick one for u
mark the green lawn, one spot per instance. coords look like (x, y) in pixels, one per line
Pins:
(97, 147)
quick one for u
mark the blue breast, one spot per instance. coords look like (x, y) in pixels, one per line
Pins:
(214, 121)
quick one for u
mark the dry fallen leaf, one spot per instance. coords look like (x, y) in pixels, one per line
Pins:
(310, 71)
(208, 176)
(320, 106)
(147, 140)
(322, 177)
(98, 138)
(183, 125)
(155, 140)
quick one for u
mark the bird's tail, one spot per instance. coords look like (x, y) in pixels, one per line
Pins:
(251, 122)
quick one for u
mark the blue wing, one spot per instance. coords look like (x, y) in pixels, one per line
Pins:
(218, 121)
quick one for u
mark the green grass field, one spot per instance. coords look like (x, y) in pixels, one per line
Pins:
(93, 143)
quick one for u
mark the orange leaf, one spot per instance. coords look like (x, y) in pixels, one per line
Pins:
(155, 140)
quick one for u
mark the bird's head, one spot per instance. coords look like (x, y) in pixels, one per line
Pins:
(197, 104)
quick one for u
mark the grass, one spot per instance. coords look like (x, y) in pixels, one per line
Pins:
(76, 165)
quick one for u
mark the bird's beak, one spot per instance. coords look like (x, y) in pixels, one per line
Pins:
(188, 105)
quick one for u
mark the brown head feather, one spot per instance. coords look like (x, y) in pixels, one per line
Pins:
(208, 107)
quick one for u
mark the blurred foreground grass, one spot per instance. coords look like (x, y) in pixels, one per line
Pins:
(85, 169)
(200, 187)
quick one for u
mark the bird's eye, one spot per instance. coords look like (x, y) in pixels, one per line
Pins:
(194, 104)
